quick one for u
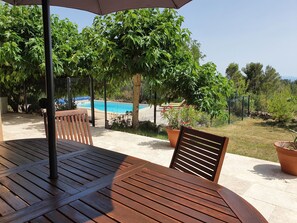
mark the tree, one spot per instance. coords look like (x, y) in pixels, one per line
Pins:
(20, 32)
(201, 86)
(66, 43)
(294, 87)
(254, 77)
(262, 84)
(194, 47)
(139, 44)
(212, 91)
(233, 74)
(22, 62)
(270, 81)
(282, 105)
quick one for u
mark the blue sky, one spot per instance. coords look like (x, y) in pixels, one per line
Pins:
(237, 31)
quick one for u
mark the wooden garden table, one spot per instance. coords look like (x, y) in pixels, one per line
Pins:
(98, 185)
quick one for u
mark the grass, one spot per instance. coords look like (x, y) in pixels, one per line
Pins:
(253, 138)
(250, 137)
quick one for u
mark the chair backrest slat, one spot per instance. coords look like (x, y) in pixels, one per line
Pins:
(72, 125)
(192, 164)
(70, 130)
(75, 122)
(81, 129)
(199, 153)
(206, 151)
(190, 155)
(59, 126)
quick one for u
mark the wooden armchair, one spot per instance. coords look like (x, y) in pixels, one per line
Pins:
(72, 125)
(199, 153)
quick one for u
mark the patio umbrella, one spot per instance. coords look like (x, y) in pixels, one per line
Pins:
(102, 7)
(99, 7)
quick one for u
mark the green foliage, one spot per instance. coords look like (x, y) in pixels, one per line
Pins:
(20, 42)
(282, 105)
(121, 122)
(201, 86)
(194, 47)
(146, 128)
(233, 74)
(259, 83)
(184, 116)
(254, 75)
(260, 102)
(149, 42)
(22, 62)
(270, 81)
(172, 116)
(293, 86)
(22, 47)
(66, 42)
(79, 86)
(136, 41)
(238, 105)
(293, 144)
(220, 120)
(211, 91)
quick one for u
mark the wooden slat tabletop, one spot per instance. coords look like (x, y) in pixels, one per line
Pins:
(98, 185)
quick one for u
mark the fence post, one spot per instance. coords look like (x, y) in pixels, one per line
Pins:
(68, 80)
(25, 98)
(242, 108)
(229, 111)
(105, 106)
(92, 101)
(248, 105)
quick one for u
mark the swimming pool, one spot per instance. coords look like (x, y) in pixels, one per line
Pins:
(114, 107)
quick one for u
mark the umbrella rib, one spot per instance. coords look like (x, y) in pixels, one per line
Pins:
(99, 6)
(175, 5)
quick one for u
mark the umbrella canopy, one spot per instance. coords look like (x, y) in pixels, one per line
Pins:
(100, 7)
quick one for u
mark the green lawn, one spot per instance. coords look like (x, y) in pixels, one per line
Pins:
(253, 138)
(250, 137)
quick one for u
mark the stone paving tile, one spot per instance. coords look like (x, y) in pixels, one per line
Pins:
(239, 186)
(154, 150)
(292, 187)
(256, 171)
(282, 215)
(265, 208)
(273, 196)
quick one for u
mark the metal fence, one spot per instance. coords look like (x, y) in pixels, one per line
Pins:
(238, 108)
(69, 90)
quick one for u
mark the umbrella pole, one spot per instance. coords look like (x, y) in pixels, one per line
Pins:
(52, 144)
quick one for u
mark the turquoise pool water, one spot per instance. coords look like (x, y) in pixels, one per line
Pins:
(114, 107)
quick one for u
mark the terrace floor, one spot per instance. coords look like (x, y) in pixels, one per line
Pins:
(260, 182)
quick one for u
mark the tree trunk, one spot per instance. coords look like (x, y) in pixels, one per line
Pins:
(136, 96)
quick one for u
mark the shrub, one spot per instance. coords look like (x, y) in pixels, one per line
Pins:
(186, 116)
(260, 102)
(282, 106)
(220, 120)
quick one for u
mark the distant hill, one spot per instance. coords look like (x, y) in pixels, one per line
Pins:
(291, 78)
